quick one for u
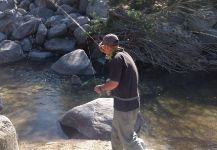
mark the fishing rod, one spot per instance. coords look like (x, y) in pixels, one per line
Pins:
(70, 17)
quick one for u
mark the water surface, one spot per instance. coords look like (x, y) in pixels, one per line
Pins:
(182, 116)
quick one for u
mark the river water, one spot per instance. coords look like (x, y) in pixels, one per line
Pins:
(181, 116)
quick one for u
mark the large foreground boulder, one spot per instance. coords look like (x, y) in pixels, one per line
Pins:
(10, 52)
(8, 137)
(93, 119)
(76, 62)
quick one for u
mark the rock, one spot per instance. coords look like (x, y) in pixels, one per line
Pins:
(76, 81)
(82, 20)
(60, 45)
(65, 9)
(6, 4)
(57, 31)
(26, 45)
(9, 20)
(70, 2)
(32, 6)
(54, 20)
(39, 55)
(98, 8)
(8, 137)
(24, 4)
(83, 6)
(41, 34)
(72, 63)
(80, 35)
(93, 119)
(1, 105)
(2, 37)
(21, 11)
(26, 29)
(10, 52)
(42, 12)
(46, 3)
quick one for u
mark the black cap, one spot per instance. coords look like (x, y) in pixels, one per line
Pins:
(110, 39)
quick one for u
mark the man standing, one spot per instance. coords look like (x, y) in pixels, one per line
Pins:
(123, 84)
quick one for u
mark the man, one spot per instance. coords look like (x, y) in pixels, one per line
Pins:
(123, 84)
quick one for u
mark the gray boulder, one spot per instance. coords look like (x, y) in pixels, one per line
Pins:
(72, 63)
(6, 4)
(41, 34)
(59, 45)
(98, 8)
(10, 52)
(80, 34)
(2, 37)
(26, 29)
(57, 31)
(42, 12)
(93, 119)
(8, 137)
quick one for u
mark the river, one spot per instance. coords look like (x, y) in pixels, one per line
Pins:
(182, 116)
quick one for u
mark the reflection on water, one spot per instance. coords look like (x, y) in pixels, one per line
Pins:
(182, 117)
(35, 98)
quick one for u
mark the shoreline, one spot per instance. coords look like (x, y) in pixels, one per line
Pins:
(73, 144)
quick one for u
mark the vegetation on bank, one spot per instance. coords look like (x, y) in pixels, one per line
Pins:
(177, 35)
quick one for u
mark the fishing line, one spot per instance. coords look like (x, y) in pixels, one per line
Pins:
(59, 7)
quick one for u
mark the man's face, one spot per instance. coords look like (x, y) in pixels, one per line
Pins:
(104, 48)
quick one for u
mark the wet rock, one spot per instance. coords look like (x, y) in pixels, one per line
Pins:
(98, 8)
(7, 4)
(60, 45)
(26, 29)
(10, 52)
(39, 55)
(2, 37)
(72, 63)
(80, 35)
(93, 119)
(57, 31)
(41, 34)
(7, 135)
(42, 12)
